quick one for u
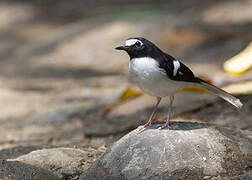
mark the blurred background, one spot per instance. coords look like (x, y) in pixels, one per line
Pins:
(63, 84)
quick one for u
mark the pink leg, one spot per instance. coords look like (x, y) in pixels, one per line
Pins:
(169, 115)
(152, 115)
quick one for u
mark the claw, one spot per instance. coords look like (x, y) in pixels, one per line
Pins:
(165, 126)
(140, 128)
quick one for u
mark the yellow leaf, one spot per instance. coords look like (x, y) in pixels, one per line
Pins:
(240, 63)
(194, 88)
(239, 88)
(130, 93)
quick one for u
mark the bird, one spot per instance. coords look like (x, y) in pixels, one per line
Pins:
(161, 75)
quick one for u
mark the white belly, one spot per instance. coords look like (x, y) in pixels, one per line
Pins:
(148, 76)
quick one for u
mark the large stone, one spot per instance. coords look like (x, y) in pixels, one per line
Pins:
(66, 162)
(187, 151)
(13, 170)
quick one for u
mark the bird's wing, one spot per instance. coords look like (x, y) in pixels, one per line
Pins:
(175, 69)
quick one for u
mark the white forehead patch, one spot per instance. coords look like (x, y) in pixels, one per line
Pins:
(131, 42)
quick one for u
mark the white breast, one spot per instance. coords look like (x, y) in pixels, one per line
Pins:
(146, 73)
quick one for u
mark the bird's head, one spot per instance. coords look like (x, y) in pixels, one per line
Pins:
(139, 47)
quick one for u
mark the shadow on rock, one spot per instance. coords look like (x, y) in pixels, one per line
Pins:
(178, 126)
(19, 170)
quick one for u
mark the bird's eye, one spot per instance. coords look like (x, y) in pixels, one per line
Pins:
(137, 44)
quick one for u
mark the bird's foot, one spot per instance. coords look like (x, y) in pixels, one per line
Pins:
(166, 125)
(142, 127)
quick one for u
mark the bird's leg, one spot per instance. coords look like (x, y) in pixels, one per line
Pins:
(168, 115)
(152, 115)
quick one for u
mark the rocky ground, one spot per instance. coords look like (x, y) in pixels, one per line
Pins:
(61, 79)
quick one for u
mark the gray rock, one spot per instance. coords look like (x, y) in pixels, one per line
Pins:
(66, 162)
(187, 151)
(13, 170)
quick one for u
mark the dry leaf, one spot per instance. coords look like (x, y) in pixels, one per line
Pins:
(129, 93)
(239, 88)
(240, 63)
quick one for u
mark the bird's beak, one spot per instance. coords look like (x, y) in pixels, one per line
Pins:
(125, 48)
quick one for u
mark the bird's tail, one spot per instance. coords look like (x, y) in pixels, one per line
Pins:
(221, 93)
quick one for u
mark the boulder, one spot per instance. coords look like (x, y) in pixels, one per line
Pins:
(66, 162)
(187, 151)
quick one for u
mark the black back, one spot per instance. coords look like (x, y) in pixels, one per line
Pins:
(165, 61)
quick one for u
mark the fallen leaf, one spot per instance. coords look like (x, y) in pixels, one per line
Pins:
(240, 63)
(194, 88)
(129, 93)
(239, 88)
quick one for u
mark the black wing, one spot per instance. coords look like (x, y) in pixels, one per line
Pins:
(183, 73)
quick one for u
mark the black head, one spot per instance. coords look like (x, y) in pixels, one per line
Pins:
(139, 47)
